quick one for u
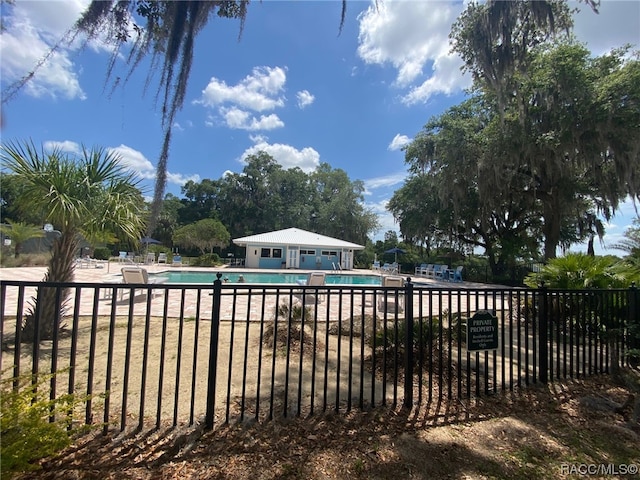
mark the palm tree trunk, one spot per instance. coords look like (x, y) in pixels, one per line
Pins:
(46, 312)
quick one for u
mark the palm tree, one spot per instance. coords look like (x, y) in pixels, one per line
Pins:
(80, 195)
(631, 243)
(20, 232)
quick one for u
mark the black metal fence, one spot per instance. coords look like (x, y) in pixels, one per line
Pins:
(190, 353)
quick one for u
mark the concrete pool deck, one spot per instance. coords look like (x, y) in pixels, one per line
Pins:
(231, 308)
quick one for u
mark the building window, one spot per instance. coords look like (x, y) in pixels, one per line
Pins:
(328, 253)
(277, 253)
(307, 252)
(265, 253)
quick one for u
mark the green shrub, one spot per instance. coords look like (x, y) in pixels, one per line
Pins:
(26, 260)
(421, 338)
(208, 260)
(101, 253)
(27, 433)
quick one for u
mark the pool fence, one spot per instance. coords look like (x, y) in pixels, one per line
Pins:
(185, 354)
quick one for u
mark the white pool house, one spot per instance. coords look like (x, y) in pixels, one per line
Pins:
(296, 248)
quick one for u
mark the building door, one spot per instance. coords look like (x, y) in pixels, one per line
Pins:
(346, 260)
(252, 259)
(293, 257)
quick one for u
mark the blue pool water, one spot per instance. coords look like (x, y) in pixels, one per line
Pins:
(186, 276)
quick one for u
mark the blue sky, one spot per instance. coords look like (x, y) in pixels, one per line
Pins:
(290, 86)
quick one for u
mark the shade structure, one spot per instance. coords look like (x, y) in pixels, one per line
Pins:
(149, 241)
(395, 251)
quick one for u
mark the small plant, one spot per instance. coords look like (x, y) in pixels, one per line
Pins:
(282, 311)
(421, 338)
(27, 432)
(291, 334)
(359, 466)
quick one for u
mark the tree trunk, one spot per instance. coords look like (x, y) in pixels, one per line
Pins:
(44, 311)
(590, 250)
(551, 227)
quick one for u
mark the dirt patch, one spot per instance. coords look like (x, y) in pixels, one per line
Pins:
(539, 432)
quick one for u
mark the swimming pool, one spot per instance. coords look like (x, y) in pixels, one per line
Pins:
(186, 276)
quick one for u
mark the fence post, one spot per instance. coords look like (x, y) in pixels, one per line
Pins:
(213, 351)
(632, 341)
(408, 344)
(543, 332)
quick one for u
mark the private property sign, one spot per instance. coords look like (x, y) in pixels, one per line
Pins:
(482, 331)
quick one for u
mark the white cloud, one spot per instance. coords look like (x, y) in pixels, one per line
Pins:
(258, 138)
(306, 159)
(410, 36)
(134, 161)
(22, 46)
(211, 121)
(240, 119)
(398, 142)
(390, 180)
(385, 219)
(65, 146)
(181, 179)
(447, 79)
(30, 31)
(259, 91)
(304, 98)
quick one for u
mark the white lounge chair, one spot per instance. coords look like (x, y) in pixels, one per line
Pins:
(310, 296)
(389, 300)
(86, 262)
(162, 258)
(391, 268)
(138, 276)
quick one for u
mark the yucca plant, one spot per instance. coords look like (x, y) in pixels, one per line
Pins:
(32, 425)
(580, 271)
